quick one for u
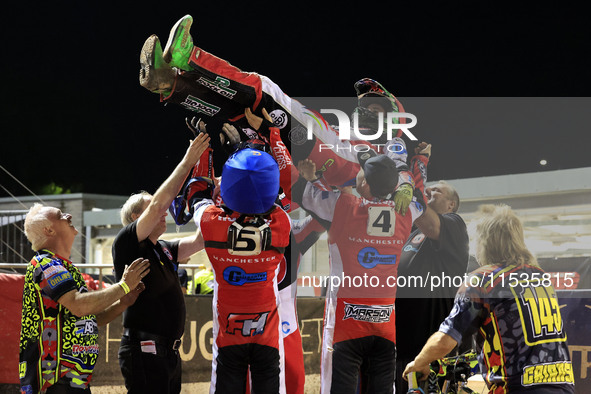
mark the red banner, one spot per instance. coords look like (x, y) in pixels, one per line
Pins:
(11, 294)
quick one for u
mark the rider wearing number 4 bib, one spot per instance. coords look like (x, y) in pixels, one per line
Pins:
(245, 239)
(522, 340)
(366, 236)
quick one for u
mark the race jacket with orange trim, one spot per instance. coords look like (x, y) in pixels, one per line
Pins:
(521, 339)
(54, 342)
(365, 240)
(245, 253)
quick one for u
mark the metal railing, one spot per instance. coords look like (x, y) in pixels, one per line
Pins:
(14, 246)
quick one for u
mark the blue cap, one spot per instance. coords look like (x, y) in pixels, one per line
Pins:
(250, 181)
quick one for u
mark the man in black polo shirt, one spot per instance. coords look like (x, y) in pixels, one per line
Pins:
(153, 326)
(440, 248)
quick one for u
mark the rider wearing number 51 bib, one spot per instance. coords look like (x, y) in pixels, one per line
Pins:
(245, 239)
(365, 237)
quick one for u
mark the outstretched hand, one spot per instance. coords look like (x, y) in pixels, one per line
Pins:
(423, 149)
(134, 273)
(307, 169)
(196, 126)
(196, 149)
(403, 198)
(261, 125)
(229, 135)
(256, 121)
(424, 370)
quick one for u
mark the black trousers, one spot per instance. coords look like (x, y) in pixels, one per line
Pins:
(158, 373)
(368, 363)
(232, 367)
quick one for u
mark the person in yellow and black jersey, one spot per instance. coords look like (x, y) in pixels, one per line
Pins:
(60, 317)
(512, 305)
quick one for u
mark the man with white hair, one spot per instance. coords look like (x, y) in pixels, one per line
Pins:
(58, 348)
(148, 355)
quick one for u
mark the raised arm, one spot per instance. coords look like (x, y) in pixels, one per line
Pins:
(170, 188)
(418, 165)
(437, 346)
(429, 223)
(190, 245)
(314, 200)
(279, 151)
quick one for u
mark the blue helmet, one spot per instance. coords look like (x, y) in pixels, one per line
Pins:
(250, 181)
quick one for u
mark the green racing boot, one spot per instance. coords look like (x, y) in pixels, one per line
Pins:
(180, 44)
(155, 74)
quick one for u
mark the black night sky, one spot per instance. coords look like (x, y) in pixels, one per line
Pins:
(73, 112)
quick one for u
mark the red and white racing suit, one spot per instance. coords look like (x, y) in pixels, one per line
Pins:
(365, 240)
(305, 233)
(218, 89)
(246, 325)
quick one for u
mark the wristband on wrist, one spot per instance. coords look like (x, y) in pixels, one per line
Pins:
(125, 287)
